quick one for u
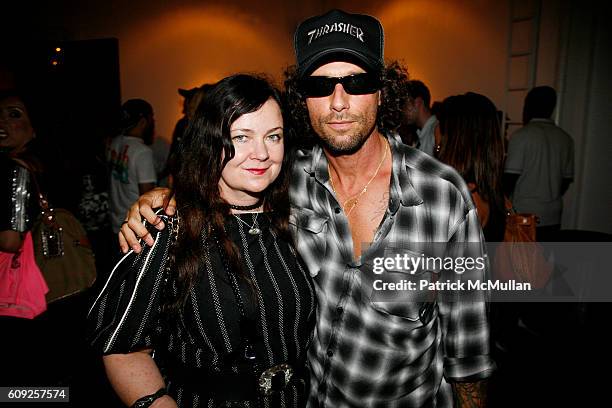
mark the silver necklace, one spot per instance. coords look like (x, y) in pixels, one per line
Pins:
(252, 229)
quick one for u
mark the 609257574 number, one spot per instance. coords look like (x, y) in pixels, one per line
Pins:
(34, 394)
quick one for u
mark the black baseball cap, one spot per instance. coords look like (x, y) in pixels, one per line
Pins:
(187, 93)
(339, 36)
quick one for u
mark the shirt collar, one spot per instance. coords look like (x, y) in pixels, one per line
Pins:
(401, 190)
(542, 120)
(137, 139)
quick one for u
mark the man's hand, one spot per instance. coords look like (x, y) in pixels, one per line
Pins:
(470, 394)
(130, 231)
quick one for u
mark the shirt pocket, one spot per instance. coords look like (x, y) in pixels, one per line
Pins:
(310, 232)
(398, 299)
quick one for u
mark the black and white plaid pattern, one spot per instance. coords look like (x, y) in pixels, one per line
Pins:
(375, 354)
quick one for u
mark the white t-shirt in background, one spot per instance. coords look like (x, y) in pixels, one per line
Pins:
(131, 163)
(543, 155)
(426, 135)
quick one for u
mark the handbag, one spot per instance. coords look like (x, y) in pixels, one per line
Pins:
(61, 249)
(520, 257)
(22, 286)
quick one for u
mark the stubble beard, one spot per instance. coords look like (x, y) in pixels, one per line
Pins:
(349, 142)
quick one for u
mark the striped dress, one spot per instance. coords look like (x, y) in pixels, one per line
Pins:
(126, 315)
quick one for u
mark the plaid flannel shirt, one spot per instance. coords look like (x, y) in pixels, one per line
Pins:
(376, 354)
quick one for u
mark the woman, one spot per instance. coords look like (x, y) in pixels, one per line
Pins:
(22, 287)
(227, 309)
(468, 138)
(19, 160)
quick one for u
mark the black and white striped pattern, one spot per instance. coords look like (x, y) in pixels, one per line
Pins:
(126, 315)
(379, 354)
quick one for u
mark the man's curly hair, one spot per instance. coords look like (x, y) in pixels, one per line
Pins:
(394, 93)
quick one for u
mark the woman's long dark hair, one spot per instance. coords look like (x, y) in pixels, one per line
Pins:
(197, 172)
(472, 143)
(388, 120)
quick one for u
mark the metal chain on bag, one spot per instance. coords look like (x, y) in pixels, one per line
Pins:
(173, 223)
(51, 238)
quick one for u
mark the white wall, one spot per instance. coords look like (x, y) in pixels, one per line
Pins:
(454, 46)
(584, 112)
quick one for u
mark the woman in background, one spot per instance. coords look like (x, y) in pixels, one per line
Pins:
(21, 346)
(468, 137)
(19, 163)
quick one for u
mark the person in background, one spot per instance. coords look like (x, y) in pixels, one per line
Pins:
(190, 101)
(407, 132)
(540, 163)
(161, 154)
(17, 141)
(21, 347)
(93, 206)
(468, 138)
(418, 113)
(192, 98)
(131, 159)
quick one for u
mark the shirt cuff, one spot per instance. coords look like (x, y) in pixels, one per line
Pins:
(468, 369)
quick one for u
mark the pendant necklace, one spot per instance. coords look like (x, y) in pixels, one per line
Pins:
(252, 229)
(354, 200)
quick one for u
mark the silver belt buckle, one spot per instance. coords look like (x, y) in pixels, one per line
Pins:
(266, 378)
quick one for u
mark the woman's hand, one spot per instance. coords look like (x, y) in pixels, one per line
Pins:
(10, 241)
(133, 228)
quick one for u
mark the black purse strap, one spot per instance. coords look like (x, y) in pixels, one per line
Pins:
(246, 325)
(46, 210)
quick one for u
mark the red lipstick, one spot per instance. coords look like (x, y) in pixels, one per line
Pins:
(257, 172)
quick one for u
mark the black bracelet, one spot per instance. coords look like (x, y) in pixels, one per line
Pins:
(147, 400)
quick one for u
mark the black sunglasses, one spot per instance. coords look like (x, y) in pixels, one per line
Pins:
(357, 84)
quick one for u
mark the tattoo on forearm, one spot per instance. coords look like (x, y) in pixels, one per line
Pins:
(470, 394)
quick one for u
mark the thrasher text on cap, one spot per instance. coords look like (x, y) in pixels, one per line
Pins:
(336, 27)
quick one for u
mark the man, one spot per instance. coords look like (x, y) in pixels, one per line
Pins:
(181, 124)
(192, 98)
(418, 112)
(357, 185)
(540, 163)
(131, 159)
